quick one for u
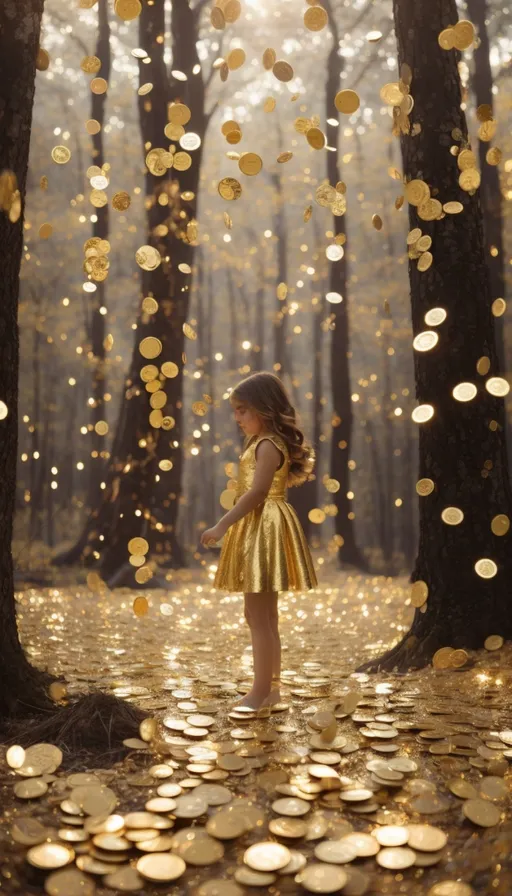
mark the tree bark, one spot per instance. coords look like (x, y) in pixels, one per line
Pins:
(461, 449)
(100, 230)
(341, 440)
(20, 20)
(139, 498)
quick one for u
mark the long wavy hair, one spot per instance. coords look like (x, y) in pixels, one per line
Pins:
(265, 394)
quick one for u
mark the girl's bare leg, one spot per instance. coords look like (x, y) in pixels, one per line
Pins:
(257, 609)
(275, 694)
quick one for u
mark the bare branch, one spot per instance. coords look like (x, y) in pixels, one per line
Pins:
(64, 22)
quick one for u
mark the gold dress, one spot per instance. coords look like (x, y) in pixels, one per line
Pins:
(266, 550)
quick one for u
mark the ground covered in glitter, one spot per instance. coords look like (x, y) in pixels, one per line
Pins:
(357, 784)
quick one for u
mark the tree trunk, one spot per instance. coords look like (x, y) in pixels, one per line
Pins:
(100, 230)
(461, 449)
(490, 190)
(139, 498)
(36, 476)
(281, 276)
(341, 439)
(20, 20)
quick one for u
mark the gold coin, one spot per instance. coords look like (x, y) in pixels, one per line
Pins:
(138, 545)
(99, 86)
(322, 878)
(498, 307)
(315, 138)
(182, 161)
(422, 413)
(269, 105)
(250, 163)
(42, 60)
(425, 341)
(463, 34)
(144, 89)
(466, 159)
(451, 888)
(61, 154)
(200, 851)
(291, 806)
(150, 347)
(446, 39)
(417, 192)
(288, 827)
(364, 844)
(178, 113)
(419, 593)
(150, 306)
(125, 879)
(127, 9)
(266, 856)
(169, 369)
(469, 179)
(435, 316)
(143, 575)
(442, 658)
(315, 18)
(111, 842)
(234, 136)
(50, 855)
(425, 261)
(462, 788)
(452, 516)
(269, 58)
(481, 812)
(453, 208)
(424, 487)
(426, 837)
(226, 826)
(94, 800)
(149, 373)
(155, 418)
(336, 852)
(430, 210)
(493, 156)
(28, 831)
(229, 188)
(158, 400)
(232, 11)
(90, 65)
(377, 222)
(282, 71)
(284, 157)
(396, 858)
(347, 101)
(217, 18)
(413, 236)
(497, 386)
(391, 94)
(30, 789)
(148, 258)
(235, 59)
(483, 365)
(316, 515)
(464, 391)
(161, 867)
(500, 525)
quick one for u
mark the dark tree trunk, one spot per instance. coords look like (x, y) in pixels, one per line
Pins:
(36, 476)
(139, 498)
(341, 440)
(100, 229)
(281, 276)
(461, 449)
(386, 326)
(20, 20)
(490, 189)
(234, 311)
(408, 529)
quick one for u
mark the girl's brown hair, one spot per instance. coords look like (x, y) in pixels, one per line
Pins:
(264, 393)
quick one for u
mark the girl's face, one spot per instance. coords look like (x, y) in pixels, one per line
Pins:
(249, 421)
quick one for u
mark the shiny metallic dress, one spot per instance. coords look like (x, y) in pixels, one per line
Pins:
(266, 550)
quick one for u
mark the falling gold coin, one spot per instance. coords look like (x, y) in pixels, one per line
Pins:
(178, 113)
(463, 34)
(269, 58)
(422, 413)
(486, 568)
(498, 307)
(391, 94)
(464, 391)
(250, 163)
(493, 642)
(150, 347)
(424, 487)
(315, 18)
(121, 201)
(500, 524)
(453, 208)
(282, 71)
(452, 516)
(347, 101)
(425, 261)
(469, 179)
(493, 156)
(417, 192)
(90, 65)
(127, 9)
(446, 39)
(497, 386)
(229, 188)
(61, 154)
(419, 593)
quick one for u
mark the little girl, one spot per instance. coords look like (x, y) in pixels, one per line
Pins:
(265, 549)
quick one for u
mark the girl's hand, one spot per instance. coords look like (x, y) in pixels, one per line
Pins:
(211, 536)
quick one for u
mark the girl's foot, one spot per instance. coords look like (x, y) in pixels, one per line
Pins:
(252, 701)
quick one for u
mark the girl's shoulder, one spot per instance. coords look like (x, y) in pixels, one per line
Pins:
(275, 438)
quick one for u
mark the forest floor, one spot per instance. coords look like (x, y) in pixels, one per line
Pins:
(377, 784)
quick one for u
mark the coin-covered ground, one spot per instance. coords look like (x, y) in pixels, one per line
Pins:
(354, 784)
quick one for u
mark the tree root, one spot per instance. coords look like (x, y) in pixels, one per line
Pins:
(92, 725)
(412, 652)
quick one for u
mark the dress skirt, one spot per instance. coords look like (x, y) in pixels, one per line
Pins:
(266, 550)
